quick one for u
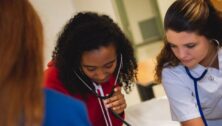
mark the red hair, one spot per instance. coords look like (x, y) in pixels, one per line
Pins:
(21, 53)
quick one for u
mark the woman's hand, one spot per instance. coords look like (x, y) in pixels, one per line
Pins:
(117, 102)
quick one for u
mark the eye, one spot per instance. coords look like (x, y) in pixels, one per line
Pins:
(192, 45)
(91, 69)
(109, 65)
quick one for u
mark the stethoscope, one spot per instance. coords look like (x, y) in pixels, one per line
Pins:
(110, 94)
(195, 80)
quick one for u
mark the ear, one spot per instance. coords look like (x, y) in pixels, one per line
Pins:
(216, 41)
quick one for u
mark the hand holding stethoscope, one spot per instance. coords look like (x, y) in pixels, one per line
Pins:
(117, 102)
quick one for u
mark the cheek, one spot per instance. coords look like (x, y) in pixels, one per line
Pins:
(114, 67)
(87, 73)
(175, 52)
(200, 53)
(112, 70)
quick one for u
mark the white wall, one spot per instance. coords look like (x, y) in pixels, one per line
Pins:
(138, 10)
(54, 14)
(163, 6)
(100, 6)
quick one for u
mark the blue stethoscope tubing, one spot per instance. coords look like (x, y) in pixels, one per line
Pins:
(195, 80)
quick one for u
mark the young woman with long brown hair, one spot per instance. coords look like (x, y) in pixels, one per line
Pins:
(189, 64)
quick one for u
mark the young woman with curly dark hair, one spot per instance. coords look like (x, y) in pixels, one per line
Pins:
(93, 59)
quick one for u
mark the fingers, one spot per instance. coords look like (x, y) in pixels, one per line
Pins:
(117, 101)
(117, 89)
(122, 106)
(119, 106)
(116, 96)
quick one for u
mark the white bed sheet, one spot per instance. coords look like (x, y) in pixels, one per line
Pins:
(154, 112)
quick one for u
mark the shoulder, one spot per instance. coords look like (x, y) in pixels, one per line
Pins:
(179, 90)
(51, 71)
(61, 109)
(51, 79)
(173, 72)
(175, 78)
(61, 100)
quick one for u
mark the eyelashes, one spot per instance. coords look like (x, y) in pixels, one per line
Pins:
(190, 46)
(106, 66)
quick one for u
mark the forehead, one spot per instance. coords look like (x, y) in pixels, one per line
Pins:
(182, 37)
(99, 56)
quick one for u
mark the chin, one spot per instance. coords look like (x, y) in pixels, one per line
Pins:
(190, 66)
(104, 81)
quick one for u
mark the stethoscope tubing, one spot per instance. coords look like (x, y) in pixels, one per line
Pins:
(110, 94)
(195, 80)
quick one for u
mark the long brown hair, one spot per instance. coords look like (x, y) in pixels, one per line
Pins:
(21, 65)
(196, 16)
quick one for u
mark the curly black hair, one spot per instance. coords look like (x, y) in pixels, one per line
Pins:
(88, 31)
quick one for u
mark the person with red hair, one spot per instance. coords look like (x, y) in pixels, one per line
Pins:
(23, 100)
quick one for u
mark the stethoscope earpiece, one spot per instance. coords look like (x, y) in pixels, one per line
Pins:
(216, 41)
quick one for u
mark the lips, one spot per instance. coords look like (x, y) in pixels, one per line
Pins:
(102, 81)
(186, 61)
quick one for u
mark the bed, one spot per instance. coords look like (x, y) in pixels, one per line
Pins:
(154, 112)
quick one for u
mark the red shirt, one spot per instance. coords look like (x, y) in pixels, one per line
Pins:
(97, 112)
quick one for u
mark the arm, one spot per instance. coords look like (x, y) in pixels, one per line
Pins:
(193, 122)
(179, 90)
(117, 102)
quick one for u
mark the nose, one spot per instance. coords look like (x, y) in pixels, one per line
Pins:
(101, 75)
(181, 53)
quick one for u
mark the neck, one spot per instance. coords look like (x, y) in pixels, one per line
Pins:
(211, 59)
